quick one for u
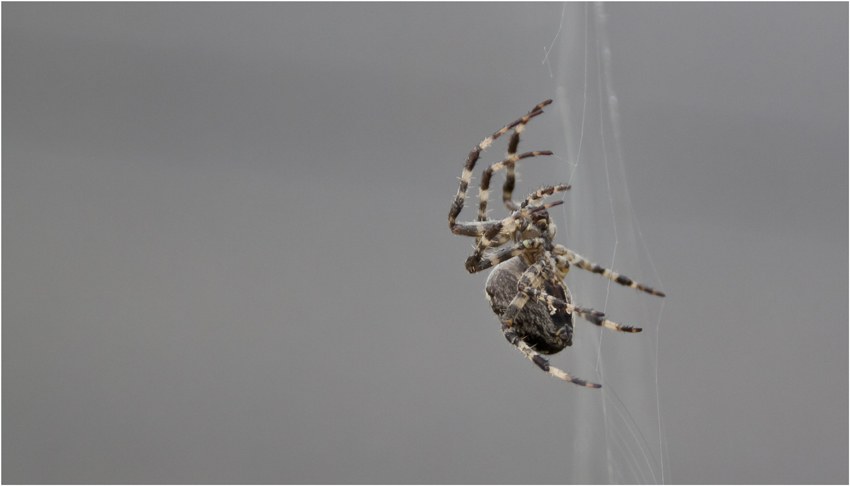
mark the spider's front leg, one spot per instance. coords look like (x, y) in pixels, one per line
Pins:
(484, 189)
(477, 229)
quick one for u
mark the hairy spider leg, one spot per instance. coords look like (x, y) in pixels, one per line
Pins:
(562, 266)
(484, 190)
(553, 302)
(585, 264)
(530, 279)
(492, 258)
(478, 229)
(542, 362)
(510, 176)
(509, 162)
(590, 315)
(544, 191)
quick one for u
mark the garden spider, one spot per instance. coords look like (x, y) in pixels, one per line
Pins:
(526, 288)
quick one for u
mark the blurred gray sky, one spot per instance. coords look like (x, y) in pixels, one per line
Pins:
(226, 258)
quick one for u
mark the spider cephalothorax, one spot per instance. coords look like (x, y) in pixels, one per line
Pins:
(526, 288)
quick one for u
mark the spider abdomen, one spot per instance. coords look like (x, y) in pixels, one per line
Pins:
(546, 333)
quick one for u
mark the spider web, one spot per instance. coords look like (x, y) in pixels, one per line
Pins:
(619, 430)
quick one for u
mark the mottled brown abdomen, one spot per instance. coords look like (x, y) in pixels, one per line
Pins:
(534, 324)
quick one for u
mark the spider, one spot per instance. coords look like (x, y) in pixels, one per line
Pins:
(526, 288)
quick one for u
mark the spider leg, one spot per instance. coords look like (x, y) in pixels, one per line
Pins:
(483, 192)
(562, 266)
(542, 362)
(532, 279)
(553, 302)
(544, 191)
(492, 258)
(510, 177)
(466, 175)
(473, 228)
(585, 264)
(592, 316)
(599, 321)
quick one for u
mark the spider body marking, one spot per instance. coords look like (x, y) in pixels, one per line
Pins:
(547, 333)
(526, 288)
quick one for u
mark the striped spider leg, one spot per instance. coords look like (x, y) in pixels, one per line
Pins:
(480, 227)
(566, 256)
(509, 164)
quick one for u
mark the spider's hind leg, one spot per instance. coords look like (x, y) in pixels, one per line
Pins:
(585, 264)
(529, 284)
(540, 361)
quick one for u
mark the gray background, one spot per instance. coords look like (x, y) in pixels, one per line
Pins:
(225, 253)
